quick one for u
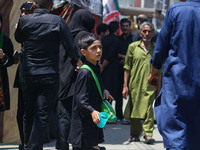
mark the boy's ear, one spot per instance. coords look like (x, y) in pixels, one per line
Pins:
(83, 51)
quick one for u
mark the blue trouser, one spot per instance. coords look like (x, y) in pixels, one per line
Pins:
(40, 92)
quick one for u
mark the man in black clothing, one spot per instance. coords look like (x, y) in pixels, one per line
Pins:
(41, 33)
(125, 39)
(102, 30)
(80, 24)
(136, 36)
(109, 60)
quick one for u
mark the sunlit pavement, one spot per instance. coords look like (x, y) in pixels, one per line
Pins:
(116, 138)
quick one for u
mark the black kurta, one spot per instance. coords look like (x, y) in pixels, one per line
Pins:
(110, 46)
(123, 46)
(8, 50)
(81, 23)
(86, 99)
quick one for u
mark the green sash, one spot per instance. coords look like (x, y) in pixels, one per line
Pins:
(105, 105)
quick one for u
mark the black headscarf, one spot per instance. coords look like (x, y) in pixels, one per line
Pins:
(1, 18)
(82, 20)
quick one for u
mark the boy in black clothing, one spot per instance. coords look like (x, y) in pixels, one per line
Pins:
(84, 133)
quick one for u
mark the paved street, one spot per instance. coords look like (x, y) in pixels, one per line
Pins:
(116, 136)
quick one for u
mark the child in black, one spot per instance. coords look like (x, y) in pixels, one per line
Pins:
(84, 133)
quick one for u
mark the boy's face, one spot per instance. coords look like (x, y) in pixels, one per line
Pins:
(93, 52)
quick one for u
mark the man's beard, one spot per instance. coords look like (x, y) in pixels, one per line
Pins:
(146, 39)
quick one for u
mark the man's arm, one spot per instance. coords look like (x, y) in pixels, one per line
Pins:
(122, 57)
(161, 50)
(104, 65)
(153, 78)
(125, 85)
(163, 42)
(68, 43)
(18, 33)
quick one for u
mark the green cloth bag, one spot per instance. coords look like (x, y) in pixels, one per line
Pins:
(105, 105)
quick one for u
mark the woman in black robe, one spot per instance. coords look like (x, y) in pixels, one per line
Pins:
(82, 22)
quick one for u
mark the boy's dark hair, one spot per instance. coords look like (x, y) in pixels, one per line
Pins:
(113, 26)
(43, 3)
(86, 40)
(125, 20)
(102, 27)
(1, 18)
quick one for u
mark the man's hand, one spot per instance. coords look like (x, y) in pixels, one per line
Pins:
(122, 57)
(95, 117)
(153, 78)
(104, 65)
(125, 92)
(79, 64)
(107, 96)
(26, 12)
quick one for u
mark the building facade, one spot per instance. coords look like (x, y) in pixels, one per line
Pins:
(155, 10)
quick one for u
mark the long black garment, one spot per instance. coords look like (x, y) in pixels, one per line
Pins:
(81, 23)
(110, 47)
(8, 50)
(86, 100)
(123, 46)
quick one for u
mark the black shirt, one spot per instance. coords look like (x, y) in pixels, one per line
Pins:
(41, 33)
(124, 43)
(110, 51)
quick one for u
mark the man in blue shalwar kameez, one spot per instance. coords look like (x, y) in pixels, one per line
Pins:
(177, 107)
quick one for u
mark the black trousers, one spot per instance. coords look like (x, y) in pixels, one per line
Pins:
(40, 93)
(64, 110)
(20, 114)
(83, 146)
(119, 99)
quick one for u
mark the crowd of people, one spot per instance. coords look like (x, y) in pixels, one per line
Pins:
(140, 67)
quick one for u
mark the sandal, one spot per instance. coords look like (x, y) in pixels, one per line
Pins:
(98, 148)
(149, 139)
(134, 139)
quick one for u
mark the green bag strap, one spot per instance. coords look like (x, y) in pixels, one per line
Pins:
(95, 78)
